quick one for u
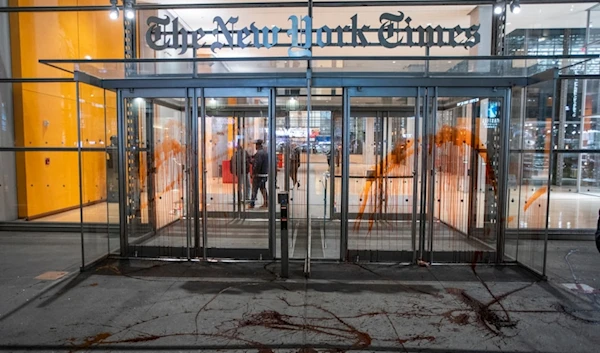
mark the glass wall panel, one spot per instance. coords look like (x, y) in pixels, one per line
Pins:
(48, 189)
(8, 186)
(547, 29)
(237, 205)
(7, 128)
(528, 195)
(100, 216)
(36, 248)
(40, 114)
(61, 35)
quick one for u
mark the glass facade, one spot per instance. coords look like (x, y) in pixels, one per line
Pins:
(434, 151)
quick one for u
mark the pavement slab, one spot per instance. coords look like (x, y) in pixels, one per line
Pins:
(137, 305)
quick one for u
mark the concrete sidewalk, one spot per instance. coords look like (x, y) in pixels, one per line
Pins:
(158, 306)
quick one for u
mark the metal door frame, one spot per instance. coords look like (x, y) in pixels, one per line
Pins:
(126, 248)
(196, 232)
(377, 255)
(269, 93)
(427, 251)
(425, 108)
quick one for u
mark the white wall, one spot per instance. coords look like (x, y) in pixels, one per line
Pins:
(8, 179)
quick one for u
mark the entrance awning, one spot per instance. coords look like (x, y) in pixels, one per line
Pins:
(410, 67)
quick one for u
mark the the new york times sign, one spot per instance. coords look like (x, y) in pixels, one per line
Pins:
(395, 31)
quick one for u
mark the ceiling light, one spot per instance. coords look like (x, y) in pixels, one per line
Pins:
(499, 8)
(129, 12)
(113, 14)
(515, 7)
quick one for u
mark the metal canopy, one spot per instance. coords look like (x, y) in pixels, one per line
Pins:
(488, 71)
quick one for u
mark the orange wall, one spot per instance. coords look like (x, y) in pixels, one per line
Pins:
(46, 113)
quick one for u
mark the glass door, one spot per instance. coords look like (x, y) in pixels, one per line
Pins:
(309, 147)
(382, 158)
(239, 182)
(464, 169)
(155, 148)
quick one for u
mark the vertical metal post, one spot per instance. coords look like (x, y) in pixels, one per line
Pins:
(195, 173)
(286, 155)
(332, 169)
(562, 119)
(204, 178)
(473, 173)
(308, 152)
(107, 181)
(239, 176)
(285, 259)
(80, 173)
(424, 173)
(246, 187)
(272, 172)
(235, 117)
(432, 170)
(503, 177)
(309, 149)
(187, 172)
(550, 167)
(345, 173)
(583, 103)
(385, 149)
(151, 164)
(522, 113)
(122, 172)
(415, 173)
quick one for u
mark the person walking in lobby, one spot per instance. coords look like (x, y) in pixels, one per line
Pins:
(260, 173)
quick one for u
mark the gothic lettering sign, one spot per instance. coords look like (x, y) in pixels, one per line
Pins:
(395, 31)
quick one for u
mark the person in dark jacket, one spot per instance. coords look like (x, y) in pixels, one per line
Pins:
(240, 167)
(294, 165)
(260, 173)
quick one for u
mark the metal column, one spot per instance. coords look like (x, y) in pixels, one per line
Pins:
(187, 172)
(345, 173)
(195, 175)
(79, 173)
(431, 169)
(424, 173)
(150, 163)
(122, 172)
(503, 169)
(203, 139)
(272, 172)
(415, 173)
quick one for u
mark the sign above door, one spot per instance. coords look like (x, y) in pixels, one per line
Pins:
(395, 32)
